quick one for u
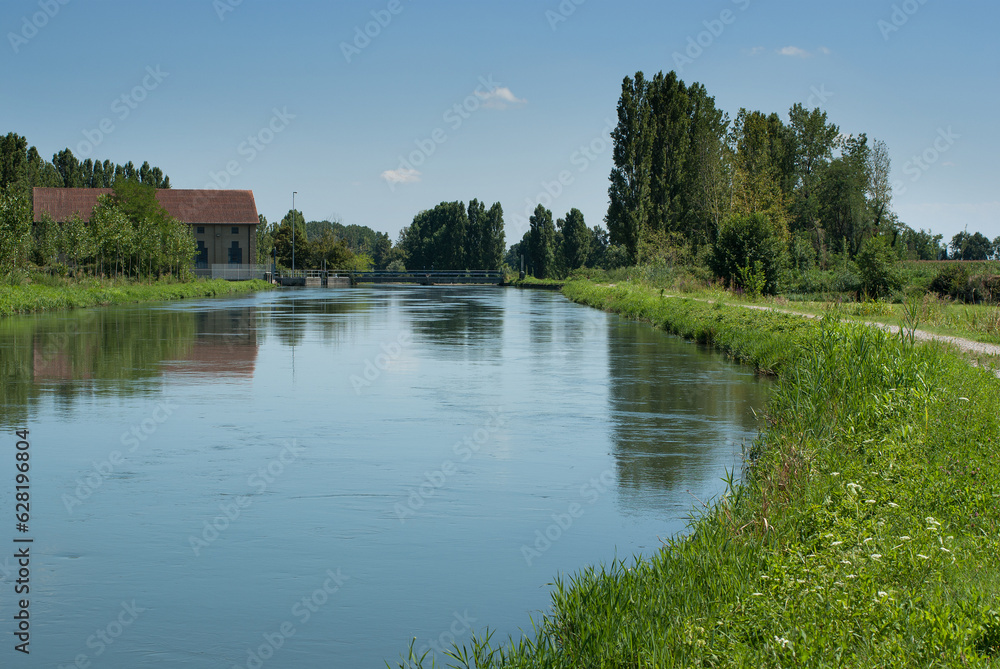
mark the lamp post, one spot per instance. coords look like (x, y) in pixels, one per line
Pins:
(293, 232)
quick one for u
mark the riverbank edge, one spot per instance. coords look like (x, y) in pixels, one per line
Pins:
(19, 300)
(864, 532)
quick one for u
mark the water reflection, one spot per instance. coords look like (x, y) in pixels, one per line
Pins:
(118, 350)
(678, 414)
(459, 324)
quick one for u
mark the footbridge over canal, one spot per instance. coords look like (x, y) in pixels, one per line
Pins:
(335, 279)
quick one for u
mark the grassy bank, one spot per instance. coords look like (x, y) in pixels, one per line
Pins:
(864, 534)
(66, 294)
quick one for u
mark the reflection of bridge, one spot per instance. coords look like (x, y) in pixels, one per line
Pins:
(333, 278)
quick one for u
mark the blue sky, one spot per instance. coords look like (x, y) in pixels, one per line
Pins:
(295, 96)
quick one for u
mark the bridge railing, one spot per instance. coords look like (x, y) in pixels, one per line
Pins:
(421, 273)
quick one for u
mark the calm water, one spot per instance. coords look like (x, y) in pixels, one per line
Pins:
(311, 478)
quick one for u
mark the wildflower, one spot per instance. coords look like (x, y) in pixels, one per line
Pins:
(869, 501)
(894, 505)
(883, 593)
(834, 473)
(876, 556)
(836, 543)
(931, 521)
(851, 576)
(845, 562)
(904, 538)
(758, 594)
(853, 488)
(782, 641)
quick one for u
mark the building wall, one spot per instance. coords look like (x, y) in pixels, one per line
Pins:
(218, 239)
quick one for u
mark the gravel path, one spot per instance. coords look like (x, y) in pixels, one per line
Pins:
(975, 348)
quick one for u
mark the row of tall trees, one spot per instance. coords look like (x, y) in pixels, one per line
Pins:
(553, 250)
(682, 168)
(453, 236)
(129, 234)
(23, 168)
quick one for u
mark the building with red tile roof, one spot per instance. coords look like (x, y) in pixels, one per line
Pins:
(224, 222)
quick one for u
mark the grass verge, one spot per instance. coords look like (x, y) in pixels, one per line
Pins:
(31, 298)
(864, 532)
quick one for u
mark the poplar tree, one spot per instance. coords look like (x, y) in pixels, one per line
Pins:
(630, 189)
(541, 243)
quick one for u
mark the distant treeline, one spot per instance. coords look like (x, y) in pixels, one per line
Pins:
(319, 243)
(23, 168)
(553, 250)
(453, 236)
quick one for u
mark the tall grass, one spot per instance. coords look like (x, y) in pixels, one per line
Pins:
(66, 294)
(864, 532)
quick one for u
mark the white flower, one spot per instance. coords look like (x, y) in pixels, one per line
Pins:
(834, 473)
(930, 520)
(782, 641)
(876, 556)
(883, 593)
(904, 538)
(869, 501)
(894, 505)
(853, 488)
(836, 543)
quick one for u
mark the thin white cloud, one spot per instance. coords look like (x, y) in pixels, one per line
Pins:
(757, 50)
(403, 175)
(499, 98)
(825, 51)
(793, 51)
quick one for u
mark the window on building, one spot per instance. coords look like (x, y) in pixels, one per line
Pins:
(236, 231)
(200, 229)
(235, 254)
(201, 260)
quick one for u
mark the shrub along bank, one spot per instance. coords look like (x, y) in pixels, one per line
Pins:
(864, 532)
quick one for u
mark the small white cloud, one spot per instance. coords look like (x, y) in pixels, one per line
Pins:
(825, 51)
(403, 175)
(794, 52)
(499, 98)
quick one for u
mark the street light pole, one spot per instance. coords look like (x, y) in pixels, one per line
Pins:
(293, 232)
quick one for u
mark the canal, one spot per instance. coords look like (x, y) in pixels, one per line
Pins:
(314, 477)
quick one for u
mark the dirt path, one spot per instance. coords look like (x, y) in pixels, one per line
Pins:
(973, 348)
